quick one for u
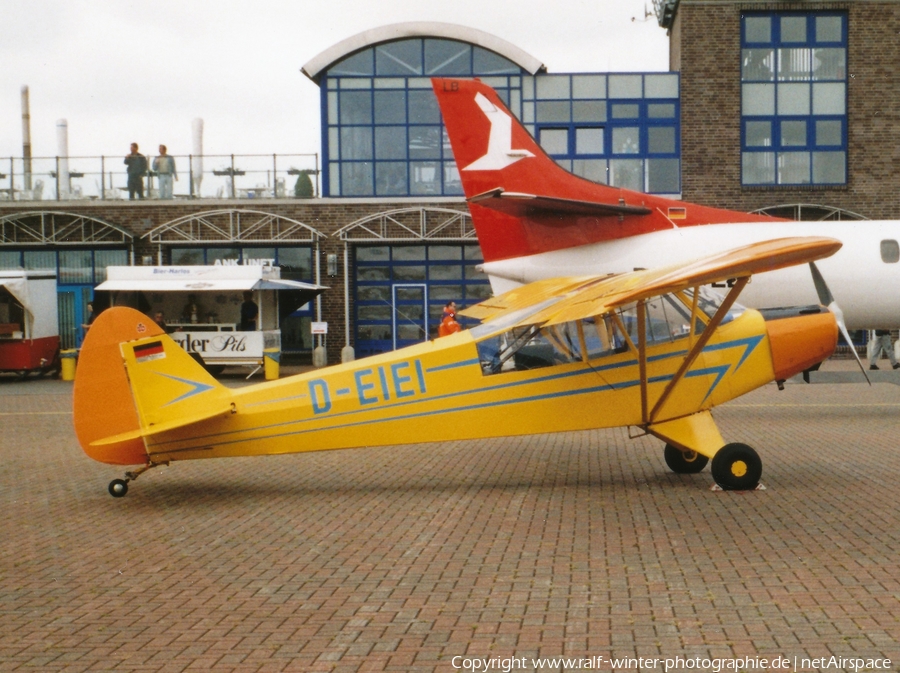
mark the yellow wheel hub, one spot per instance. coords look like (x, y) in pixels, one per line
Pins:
(739, 468)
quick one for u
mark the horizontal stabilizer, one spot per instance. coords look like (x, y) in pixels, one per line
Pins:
(523, 205)
(161, 428)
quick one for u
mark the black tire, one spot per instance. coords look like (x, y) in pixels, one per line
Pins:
(737, 467)
(684, 462)
(118, 488)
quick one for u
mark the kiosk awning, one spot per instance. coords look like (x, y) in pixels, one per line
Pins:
(206, 285)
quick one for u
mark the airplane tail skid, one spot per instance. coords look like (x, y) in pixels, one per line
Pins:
(133, 381)
(523, 203)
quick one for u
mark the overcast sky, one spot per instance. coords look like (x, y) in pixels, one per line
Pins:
(120, 71)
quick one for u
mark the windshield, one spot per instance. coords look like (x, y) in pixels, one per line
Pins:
(709, 302)
(505, 345)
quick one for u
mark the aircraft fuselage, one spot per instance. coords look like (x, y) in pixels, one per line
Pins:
(866, 287)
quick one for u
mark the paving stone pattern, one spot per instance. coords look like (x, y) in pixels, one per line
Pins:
(400, 558)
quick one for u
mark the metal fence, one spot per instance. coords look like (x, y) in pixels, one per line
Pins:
(224, 176)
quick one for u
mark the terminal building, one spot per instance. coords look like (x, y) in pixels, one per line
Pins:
(785, 107)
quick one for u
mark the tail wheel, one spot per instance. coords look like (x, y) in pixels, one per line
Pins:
(118, 488)
(737, 467)
(684, 462)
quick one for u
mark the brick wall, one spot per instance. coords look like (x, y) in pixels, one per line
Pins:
(707, 33)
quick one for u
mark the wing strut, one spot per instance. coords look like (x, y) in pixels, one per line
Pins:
(642, 355)
(689, 359)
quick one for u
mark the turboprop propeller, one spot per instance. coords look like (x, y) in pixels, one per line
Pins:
(827, 300)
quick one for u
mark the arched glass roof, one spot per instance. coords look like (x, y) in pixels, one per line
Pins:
(421, 49)
(232, 225)
(51, 227)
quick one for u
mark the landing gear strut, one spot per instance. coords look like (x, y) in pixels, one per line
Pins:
(119, 487)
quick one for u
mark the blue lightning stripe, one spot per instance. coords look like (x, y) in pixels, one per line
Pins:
(719, 371)
(749, 344)
(196, 388)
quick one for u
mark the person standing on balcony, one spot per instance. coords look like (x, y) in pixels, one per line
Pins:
(164, 167)
(136, 166)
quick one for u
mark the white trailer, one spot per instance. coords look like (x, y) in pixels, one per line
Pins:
(29, 325)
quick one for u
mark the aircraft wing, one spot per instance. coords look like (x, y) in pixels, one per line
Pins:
(522, 205)
(528, 295)
(562, 300)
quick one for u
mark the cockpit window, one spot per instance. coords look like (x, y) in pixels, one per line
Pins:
(710, 301)
(667, 318)
(530, 347)
(890, 251)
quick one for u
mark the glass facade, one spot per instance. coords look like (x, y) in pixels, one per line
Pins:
(616, 129)
(794, 98)
(401, 291)
(73, 266)
(384, 135)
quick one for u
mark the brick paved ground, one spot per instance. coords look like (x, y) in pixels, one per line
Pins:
(398, 559)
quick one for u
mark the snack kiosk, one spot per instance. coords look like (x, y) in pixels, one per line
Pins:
(202, 307)
(29, 326)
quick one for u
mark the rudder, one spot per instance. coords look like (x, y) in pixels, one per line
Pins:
(131, 376)
(102, 395)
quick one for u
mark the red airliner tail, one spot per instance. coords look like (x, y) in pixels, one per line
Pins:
(523, 203)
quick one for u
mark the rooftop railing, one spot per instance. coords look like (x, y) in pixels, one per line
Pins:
(210, 176)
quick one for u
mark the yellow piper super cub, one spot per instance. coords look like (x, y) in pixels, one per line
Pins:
(651, 349)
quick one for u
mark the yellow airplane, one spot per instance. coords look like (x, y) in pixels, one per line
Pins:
(651, 349)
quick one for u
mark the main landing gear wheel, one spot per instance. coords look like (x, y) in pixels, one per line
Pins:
(736, 467)
(684, 462)
(118, 488)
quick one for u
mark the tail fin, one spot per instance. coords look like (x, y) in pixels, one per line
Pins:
(523, 203)
(133, 381)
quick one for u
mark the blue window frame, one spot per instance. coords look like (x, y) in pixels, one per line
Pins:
(384, 135)
(73, 266)
(616, 129)
(794, 98)
(401, 291)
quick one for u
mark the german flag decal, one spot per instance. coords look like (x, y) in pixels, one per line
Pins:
(149, 351)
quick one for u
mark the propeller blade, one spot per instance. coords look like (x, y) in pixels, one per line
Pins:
(827, 299)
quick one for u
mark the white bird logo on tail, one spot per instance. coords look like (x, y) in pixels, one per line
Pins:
(500, 153)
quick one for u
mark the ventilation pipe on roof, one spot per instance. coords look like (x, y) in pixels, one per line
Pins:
(197, 156)
(63, 184)
(26, 138)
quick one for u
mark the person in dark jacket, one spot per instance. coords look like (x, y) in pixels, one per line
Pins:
(136, 166)
(249, 313)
